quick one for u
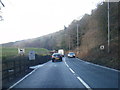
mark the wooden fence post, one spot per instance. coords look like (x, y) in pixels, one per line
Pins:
(8, 77)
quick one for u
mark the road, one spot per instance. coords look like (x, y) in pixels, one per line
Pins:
(71, 73)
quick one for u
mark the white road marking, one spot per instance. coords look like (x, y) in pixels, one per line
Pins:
(80, 79)
(99, 65)
(55, 65)
(105, 67)
(63, 58)
(22, 79)
(37, 66)
(66, 63)
(86, 85)
(71, 70)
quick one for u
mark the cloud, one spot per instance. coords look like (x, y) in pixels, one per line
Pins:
(32, 18)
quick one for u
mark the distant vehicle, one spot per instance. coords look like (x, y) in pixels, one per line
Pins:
(53, 51)
(71, 54)
(61, 51)
(56, 56)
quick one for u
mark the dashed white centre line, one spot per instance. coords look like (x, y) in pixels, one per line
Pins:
(86, 85)
(66, 64)
(71, 70)
(80, 79)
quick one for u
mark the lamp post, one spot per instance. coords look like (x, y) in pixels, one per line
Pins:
(77, 39)
(69, 40)
(108, 29)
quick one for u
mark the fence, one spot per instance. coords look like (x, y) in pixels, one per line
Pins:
(14, 67)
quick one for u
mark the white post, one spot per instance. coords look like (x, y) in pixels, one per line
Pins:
(69, 41)
(77, 39)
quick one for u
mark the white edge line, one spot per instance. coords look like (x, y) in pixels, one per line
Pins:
(71, 70)
(22, 79)
(84, 83)
(100, 66)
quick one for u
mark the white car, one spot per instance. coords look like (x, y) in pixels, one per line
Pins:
(71, 54)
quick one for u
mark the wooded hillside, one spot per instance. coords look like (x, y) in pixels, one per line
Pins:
(92, 33)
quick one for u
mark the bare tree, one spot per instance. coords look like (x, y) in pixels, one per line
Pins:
(2, 3)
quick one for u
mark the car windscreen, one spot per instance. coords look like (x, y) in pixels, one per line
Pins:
(56, 55)
(72, 53)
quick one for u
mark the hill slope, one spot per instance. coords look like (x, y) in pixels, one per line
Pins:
(92, 32)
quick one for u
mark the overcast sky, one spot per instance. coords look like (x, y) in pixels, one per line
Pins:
(25, 19)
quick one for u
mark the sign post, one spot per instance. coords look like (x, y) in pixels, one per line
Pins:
(31, 55)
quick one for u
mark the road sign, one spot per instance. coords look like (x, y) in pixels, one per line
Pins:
(102, 47)
(31, 55)
(21, 51)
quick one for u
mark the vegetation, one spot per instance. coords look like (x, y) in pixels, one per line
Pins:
(93, 30)
(10, 51)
